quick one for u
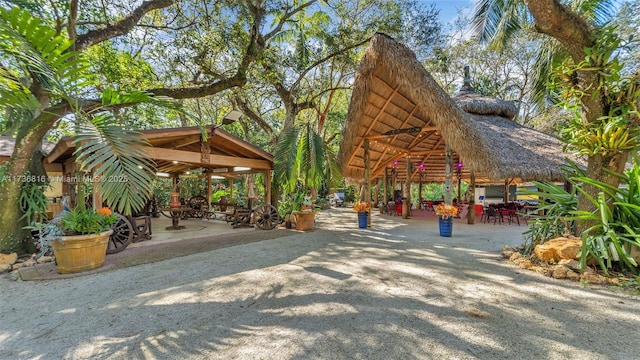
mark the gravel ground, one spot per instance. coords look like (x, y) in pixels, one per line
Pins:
(395, 291)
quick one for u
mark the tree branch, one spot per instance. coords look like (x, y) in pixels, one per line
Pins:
(244, 107)
(122, 26)
(320, 61)
(556, 20)
(240, 77)
(283, 20)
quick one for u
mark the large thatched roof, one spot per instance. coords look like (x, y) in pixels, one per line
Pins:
(403, 113)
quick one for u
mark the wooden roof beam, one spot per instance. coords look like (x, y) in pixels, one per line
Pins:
(393, 147)
(196, 158)
(375, 120)
(181, 143)
(399, 131)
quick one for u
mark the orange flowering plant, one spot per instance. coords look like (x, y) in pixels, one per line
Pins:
(362, 206)
(446, 211)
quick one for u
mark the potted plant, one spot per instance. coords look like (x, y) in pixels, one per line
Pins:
(362, 208)
(445, 214)
(79, 238)
(303, 162)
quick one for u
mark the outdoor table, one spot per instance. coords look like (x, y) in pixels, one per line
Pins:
(176, 214)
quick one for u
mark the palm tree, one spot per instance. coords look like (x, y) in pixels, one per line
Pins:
(41, 81)
(303, 162)
(581, 45)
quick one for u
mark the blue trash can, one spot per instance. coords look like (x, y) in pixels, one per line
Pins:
(446, 226)
(362, 219)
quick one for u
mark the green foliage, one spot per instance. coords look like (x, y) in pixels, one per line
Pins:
(112, 155)
(556, 205)
(616, 221)
(36, 51)
(617, 130)
(33, 201)
(290, 203)
(104, 148)
(303, 160)
(86, 221)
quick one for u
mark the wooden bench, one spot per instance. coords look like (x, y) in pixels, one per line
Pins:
(238, 217)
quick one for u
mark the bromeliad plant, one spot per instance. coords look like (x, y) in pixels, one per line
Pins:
(446, 211)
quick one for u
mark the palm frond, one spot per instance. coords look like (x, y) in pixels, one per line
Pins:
(497, 21)
(37, 49)
(319, 160)
(113, 155)
(285, 160)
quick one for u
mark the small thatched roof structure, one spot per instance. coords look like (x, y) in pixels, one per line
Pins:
(405, 114)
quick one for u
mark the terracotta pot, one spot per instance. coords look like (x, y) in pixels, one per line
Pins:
(305, 220)
(175, 200)
(81, 252)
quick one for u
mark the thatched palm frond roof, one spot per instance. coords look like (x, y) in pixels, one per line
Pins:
(406, 117)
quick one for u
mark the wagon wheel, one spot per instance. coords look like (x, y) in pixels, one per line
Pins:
(198, 203)
(266, 217)
(122, 235)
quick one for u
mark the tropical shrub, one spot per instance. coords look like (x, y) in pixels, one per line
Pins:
(616, 222)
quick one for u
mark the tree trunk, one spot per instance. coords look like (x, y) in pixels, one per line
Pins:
(13, 236)
(27, 143)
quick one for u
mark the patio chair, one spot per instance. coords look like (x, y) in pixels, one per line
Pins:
(391, 208)
(492, 212)
(141, 227)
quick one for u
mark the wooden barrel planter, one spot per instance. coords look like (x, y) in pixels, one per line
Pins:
(305, 220)
(80, 252)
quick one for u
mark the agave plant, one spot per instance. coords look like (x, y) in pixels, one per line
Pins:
(42, 79)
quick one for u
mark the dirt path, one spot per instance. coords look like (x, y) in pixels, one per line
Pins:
(395, 291)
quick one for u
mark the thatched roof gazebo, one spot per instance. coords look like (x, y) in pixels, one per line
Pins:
(403, 112)
(402, 121)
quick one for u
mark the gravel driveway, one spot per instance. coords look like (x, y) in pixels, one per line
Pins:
(395, 291)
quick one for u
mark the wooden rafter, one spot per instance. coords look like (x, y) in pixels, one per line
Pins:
(388, 134)
(375, 120)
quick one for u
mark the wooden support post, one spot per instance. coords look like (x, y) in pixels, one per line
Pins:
(471, 219)
(447, 175)
(406, 206)
(209, 189)
(420, 190)
(367, 180)
(267, 186)
(386, 187)
(376, 193)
